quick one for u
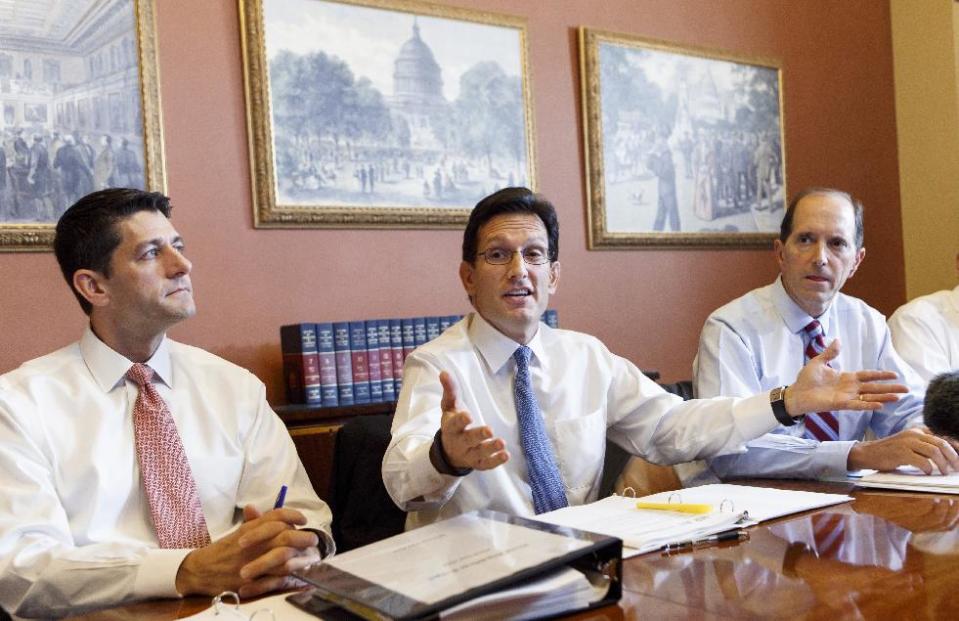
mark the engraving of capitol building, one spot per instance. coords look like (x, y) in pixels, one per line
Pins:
(418, 93)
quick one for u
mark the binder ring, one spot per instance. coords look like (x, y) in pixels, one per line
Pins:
(219, 600)
(674, 497)
(727, 503)
(629, 492)
(266, 610)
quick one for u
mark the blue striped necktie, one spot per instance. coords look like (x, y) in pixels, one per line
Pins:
(545, 481)
(820, 426)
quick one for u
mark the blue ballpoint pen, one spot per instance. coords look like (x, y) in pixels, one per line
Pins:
(280, 498)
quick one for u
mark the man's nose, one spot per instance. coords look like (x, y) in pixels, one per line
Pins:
(178, 263)
(517, 265)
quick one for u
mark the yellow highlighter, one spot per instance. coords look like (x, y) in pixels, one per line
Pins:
(675, 506)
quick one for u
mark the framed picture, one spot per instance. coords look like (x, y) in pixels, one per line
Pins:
(684, 147)
(79, 109)
(382, 113)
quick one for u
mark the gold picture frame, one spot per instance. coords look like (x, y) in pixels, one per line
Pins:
(416, 156)
(684, 146)
(113, 100)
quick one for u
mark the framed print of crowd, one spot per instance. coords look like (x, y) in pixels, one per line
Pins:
(684, 146)
(79, 109)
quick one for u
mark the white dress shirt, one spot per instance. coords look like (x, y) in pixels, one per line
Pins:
(756, 343)
(585, 393)
(75, 525)
(925, 332)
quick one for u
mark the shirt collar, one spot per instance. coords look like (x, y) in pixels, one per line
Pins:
(109, 368)
(496, 348)
(792, 315)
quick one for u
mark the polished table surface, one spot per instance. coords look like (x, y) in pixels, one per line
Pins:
(886, 555)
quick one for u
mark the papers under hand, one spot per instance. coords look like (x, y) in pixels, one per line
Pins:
(913, 479)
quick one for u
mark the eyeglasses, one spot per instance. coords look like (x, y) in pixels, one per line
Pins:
(502, 256)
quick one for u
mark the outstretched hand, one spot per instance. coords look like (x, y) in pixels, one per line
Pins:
(820, 388)
(256, 558)
(465, 446)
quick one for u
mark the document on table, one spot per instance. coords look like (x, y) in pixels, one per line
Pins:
(912, 479)
(645, 530)
(508, 564)
(467, 552)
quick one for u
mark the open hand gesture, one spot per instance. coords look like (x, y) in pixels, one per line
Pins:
(465, 446)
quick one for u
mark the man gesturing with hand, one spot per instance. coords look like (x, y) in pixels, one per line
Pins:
(502, 412)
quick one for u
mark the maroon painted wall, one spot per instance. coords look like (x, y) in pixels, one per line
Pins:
(647, 305)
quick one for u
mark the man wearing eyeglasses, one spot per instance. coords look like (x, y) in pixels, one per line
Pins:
(502, 412)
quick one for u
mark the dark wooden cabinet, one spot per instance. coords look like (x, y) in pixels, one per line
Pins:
(313, 430)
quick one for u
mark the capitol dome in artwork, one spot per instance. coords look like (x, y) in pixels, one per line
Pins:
(418, 90)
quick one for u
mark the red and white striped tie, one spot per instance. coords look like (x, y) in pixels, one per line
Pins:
(820, 426)
(164, 469)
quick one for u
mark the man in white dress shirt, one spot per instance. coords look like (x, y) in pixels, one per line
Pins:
(458, 444)
(761, 340)
(925, 332)
(79, 523)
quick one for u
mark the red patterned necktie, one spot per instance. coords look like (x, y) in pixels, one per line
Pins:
(821, 426)
(164, 469)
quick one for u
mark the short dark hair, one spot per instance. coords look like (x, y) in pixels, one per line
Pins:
(87, 233)
(941, 408)
(506, 201)
(786, 227)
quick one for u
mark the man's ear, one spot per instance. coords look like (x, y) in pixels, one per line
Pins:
(466, 277)
(553, 277)
(779, 250)
(91, 285)
(860, 255)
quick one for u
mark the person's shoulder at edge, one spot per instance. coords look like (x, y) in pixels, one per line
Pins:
(936, 301)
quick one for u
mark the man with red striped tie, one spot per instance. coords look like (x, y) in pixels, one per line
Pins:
(761, 340)
(136, 467)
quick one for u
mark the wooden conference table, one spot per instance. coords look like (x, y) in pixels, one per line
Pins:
(886, 555)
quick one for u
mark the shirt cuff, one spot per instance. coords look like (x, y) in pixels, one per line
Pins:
(156, 576)
(754, 416)
(440, 486)
(833, 457)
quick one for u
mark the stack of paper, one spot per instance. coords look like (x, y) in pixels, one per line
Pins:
(644, 530)
(913, 479)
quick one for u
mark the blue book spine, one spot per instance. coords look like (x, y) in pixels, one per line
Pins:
(301, 366)
(396, 347)
(373, 359)
(445, 323)
(327, 354)
(452, 319)
(419, 330)
(344, 366)
(432, 328)
(409, 340)
(361, 365)
(386, 359)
